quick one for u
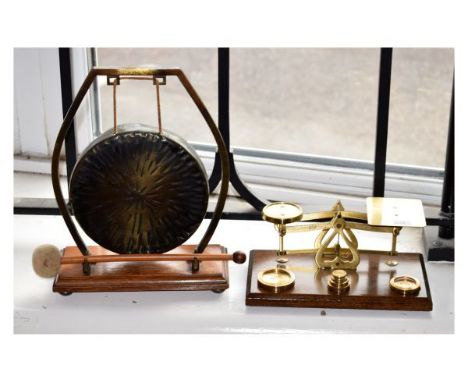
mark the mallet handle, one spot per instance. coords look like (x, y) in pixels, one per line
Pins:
(238, 257)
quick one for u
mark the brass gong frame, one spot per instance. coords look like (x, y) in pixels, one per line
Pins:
(116, 73)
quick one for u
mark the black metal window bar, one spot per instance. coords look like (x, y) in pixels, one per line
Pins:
(445, 221)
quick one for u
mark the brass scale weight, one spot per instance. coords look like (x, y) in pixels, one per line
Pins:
(338, 223)
(138, 192)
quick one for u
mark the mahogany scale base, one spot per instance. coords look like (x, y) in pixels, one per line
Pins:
(369, 289)
(143, 276)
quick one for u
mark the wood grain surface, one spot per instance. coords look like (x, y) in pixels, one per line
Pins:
(369, 283)
(143, 276)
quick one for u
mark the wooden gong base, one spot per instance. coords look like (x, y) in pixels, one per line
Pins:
(369, 286)
(133, 276)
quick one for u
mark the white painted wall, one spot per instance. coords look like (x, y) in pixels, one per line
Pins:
(83, 119)
(38, 100)
(38, 107)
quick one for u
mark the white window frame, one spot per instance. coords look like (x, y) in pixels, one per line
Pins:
(38, 106)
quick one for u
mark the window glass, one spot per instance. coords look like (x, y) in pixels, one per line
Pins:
(419, 106)
(304, 100)
(308, 100)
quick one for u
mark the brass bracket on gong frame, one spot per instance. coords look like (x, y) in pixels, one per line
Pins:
(111, 79)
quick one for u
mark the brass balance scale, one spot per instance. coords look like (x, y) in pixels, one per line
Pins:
(336, 276)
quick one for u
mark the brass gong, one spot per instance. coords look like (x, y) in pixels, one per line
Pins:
(137, 190)
(111, 192)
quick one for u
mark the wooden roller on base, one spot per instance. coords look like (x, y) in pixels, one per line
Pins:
(47, 259)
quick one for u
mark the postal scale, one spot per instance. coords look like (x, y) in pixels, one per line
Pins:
(139, 192)
(335, 272)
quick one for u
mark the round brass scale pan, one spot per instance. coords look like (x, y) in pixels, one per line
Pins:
(139, 191)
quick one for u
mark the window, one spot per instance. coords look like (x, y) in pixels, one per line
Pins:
(302, 120)
(419, 106)
(309, 101)
(299, 100)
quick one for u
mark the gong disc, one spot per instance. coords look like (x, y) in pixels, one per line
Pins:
(138, 191)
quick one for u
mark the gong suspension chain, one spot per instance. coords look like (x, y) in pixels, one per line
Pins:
(158, 104)
(158, 97)
(114, 93)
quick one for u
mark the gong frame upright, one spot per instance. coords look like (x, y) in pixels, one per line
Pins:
(67, 124)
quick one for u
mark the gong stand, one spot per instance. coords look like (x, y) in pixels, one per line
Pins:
(94, 268)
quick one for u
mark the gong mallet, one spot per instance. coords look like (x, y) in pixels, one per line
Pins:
(47, 259)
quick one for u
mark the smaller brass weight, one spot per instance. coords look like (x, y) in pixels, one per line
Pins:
(339, 281)
(405, 285)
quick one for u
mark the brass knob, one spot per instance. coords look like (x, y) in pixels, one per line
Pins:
(339, 281)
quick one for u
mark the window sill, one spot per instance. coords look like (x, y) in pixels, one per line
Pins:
(39, 310)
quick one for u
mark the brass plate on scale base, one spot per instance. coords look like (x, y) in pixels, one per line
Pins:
(369, 284)
(135, 276)
(276, 279)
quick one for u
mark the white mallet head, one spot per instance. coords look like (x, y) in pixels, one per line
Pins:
(46, 260)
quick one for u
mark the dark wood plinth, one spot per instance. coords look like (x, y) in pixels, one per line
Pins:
(143, 276)
(369, 283)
